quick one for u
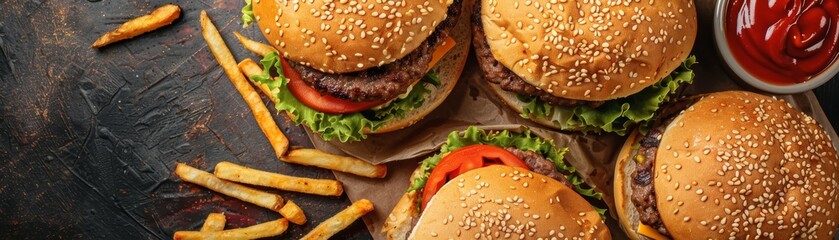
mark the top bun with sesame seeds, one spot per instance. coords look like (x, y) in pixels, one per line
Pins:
(737, 165)
(590, 50)
(347, 35)
(503, 202)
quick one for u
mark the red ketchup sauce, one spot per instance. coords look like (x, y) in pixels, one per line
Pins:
(783, 42)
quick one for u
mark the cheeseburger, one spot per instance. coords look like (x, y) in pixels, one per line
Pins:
(729, 165)
(349, 68)
(496, 185)
(585, 65)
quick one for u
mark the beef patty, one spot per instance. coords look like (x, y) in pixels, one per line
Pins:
(497, 73)
(540, 165)
(643, 194)
(385, 82)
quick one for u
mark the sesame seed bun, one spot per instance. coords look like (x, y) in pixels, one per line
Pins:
(742, 165)
(596, 51)
(348, 36)
(502, 196)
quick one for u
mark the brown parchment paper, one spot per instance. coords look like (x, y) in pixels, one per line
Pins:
(472, 103)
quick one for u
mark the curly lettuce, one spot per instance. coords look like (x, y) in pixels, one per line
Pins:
(247, 14)
(343, 127)
(618, 115)
(524, 141)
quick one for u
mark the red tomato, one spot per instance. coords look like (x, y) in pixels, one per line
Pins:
(463, 160)
(322, 103)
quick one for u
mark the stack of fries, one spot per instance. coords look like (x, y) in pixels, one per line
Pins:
(226, 177)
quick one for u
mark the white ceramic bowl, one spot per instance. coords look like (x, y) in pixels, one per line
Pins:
(720, 13)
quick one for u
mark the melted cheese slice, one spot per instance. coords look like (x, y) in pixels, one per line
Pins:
(441, 51)
(650, 232)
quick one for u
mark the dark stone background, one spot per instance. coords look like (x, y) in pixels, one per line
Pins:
(89, 138)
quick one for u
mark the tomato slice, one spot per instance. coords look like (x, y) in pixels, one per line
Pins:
(322, 103)
(463, 160)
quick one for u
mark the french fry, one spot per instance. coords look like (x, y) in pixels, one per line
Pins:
(250, 69)
(262, 230)
(340, 221)
(263, 117)
(214, 223)
(160, 17)
(259, 48)
(314, 157)
(293, 213)
(236, 173)
(207, 180)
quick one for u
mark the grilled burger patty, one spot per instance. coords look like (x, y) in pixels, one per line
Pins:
(497, 73)
(540, 165)
(643, 194)
(385, 82)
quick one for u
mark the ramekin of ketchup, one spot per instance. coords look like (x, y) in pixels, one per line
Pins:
(781, 42)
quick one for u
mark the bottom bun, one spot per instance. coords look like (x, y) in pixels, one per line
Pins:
(517, 105)
(402, 219)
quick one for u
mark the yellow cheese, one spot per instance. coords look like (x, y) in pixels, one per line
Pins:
(650, 232)
(441, 51)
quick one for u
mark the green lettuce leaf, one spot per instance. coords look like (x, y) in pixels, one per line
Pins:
(524, 141)
(344, 127)
(415, 98)
(247, 14)
(618, 115)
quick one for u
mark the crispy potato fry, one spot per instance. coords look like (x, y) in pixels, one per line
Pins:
(205, 179)
(263, 117)
(232, 172)
(160, 17)
(340, 221)
(314, 157)
(259, 48)
(250, 69)
(293, 213)
(214, 223)
(262, 230)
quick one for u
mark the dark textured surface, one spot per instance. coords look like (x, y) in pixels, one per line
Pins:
(89, 139)
(828, 95)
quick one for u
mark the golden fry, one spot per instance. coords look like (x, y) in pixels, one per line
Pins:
(259, 48)
(293, 213)
(262, 230)
(214, 223)
(263, 117)
(314, 157)
(205, 179)
(232, 172)
(250, 69)
(340, 221)
(160, 17)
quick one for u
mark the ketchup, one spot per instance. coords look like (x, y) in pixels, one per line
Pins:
(783, 41)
